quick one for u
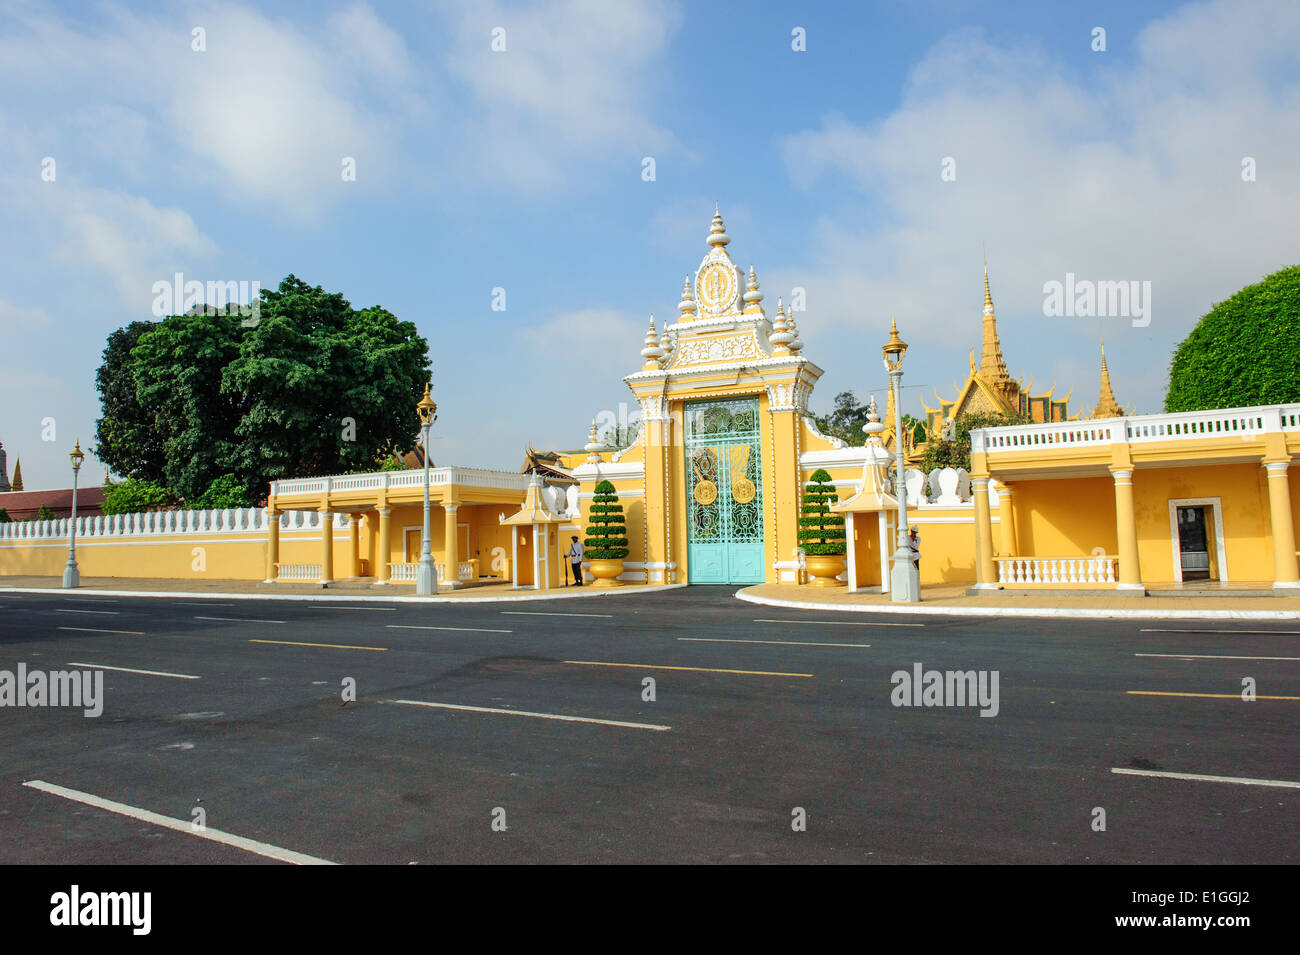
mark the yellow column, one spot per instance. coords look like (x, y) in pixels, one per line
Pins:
(272, 543)
(451, 574)
(327, 545)
(658, 430)
(985, 573)
(354, 542)
(383, 553)
(1130, 572)
(1279, 507)
(783, 533)
(1007, 517)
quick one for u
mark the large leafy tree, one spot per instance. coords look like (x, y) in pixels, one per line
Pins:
(1245, 351)
(125, 437)
(178, 366)
(330, 389)
(313, 387)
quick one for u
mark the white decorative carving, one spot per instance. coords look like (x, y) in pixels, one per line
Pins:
(653, 407)
(706, 350)
(914, 481)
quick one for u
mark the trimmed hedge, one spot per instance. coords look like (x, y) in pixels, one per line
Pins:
(1244, 352)
(821, 533)
(606, 530)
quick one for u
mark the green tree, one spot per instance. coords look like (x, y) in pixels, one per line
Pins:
(821, 533)
(225, 491)
(606, 531)
(44, 513)
(315, 387)
(135, 494)
(178, 365)
(328, 389)
(1243, 352)
(845, 420)
(125, 437)
(4, 517)
(955, 452)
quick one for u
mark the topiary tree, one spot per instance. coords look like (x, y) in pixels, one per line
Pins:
(821, 533)
(606, 531)
(1244, 352)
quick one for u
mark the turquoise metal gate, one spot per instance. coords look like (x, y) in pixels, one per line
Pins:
(724, 489)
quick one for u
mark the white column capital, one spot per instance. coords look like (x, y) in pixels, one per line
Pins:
(1276, 467)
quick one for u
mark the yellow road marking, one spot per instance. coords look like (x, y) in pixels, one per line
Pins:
(1210, 696)
(648, 666)
(335, 646)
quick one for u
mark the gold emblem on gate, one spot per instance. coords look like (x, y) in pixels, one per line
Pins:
(706, 492)
(742, 488)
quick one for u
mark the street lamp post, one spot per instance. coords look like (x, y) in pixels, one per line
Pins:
(72, 576)
(904, 578)
(426, 582)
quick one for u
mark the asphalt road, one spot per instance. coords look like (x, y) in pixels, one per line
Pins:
(263, 743)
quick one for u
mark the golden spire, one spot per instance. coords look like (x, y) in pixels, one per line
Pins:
(17, 483)
(1107, 406)
(993, 369)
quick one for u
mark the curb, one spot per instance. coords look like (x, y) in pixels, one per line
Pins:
(1080, 612)
(367, 598)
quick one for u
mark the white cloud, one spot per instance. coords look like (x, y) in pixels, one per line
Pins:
(1138, 178)
(572, 85)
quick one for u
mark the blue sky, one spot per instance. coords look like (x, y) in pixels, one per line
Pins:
(522, 169)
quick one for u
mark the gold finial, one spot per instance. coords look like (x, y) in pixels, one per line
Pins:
(894, 349)
(988, 299)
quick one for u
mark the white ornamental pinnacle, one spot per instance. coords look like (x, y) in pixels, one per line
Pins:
(780, 336)
(718, 233)
(669, 344)
(593, 446)
(753, 297)
(652, 351)
(796, 345)
(687, 305)
(873, 428)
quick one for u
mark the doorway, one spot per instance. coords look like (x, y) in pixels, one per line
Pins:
(1196, 532)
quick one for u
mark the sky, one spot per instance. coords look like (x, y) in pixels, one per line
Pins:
(871, 154)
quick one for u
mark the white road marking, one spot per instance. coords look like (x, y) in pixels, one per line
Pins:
(1163, 630)
(538, 613)
(239, 619)
(179, 825)
(1208, 656)
(784, 643)
(842, 623)
(542, 716)
(112, 613)
(101, 666)
(377, 609)
(400, 626)
(1241, 780)
(204, 605)
(134, 633)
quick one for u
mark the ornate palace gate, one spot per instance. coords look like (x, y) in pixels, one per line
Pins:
(724, 487)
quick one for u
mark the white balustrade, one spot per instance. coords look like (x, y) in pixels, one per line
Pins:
(1045, 571)
(309, 572)
(403, 573)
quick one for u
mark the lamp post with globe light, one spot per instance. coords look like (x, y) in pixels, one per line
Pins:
(426, 583)
(71, 575)
(904, 579)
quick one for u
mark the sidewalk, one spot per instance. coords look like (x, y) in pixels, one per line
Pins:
(952, 599)
(339, 590)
